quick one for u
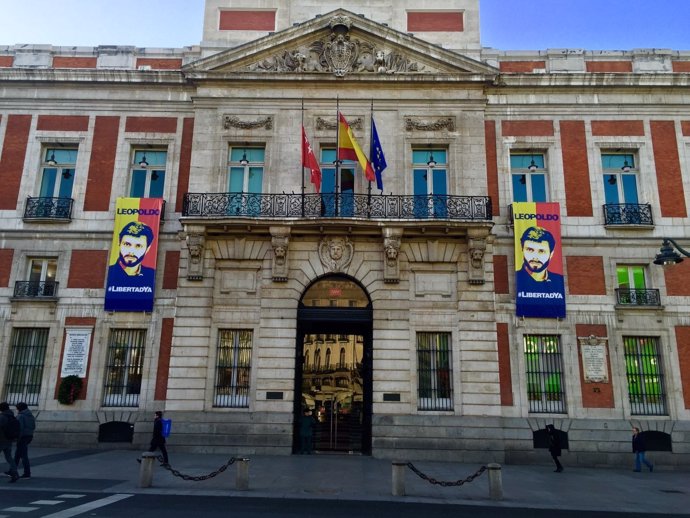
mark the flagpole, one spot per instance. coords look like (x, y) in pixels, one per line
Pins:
(302, 147)
(371, 116)
(337, 152)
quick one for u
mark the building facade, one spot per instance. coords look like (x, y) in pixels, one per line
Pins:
(388, 309)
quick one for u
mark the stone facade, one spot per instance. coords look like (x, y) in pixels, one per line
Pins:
(242, 265)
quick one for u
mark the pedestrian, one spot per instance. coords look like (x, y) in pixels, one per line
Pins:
(158, 440)
(6, 439)
(554, 446)
(639, 448)
(27, 425)
(307, 424)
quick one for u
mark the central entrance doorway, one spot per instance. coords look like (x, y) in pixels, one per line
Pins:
(333, 371)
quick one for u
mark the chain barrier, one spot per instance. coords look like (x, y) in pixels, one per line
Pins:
(444, 483)
(199, 477)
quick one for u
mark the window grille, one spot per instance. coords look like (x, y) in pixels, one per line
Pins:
(645, 375)
(434, 374)
(544, 372)
(233, 367)
(25, 365)
(123, 372)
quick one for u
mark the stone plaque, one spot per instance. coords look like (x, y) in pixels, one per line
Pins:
(594, 361)
(76, 355)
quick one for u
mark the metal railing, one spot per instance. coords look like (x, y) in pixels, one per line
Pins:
(645, 375)
(374, 206)
(628, 214)
(35, 289)
(637, 297)
(59, 209)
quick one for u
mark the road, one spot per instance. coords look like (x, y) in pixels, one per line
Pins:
(15, 503)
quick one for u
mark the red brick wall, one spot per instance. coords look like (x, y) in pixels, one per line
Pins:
(618, 128)
(74, 62)
(492, 166)
(667, 164)
(676, 277)
(160, 63)
(87, 268)
(247, 21)
(172, 265)
(6, 61)
(63, 123)
(102, 164)
(683, 343)
(164, 359)
(84, 322)
(586, 275)
(185, 162)
(504, 373)
(685, 125)
(6, 255)
(12, 159)
(501, 285)
(609, 66)
(527, 128)
(441, 21)
(678, 66)
(521, 67)
(578, 194)
(151, 125)
(595, 395)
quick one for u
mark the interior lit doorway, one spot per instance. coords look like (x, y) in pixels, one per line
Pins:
(333, 365)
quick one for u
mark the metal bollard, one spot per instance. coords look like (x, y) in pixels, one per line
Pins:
(399, 478)
(146, 469)
(495, 482)
(242, 478)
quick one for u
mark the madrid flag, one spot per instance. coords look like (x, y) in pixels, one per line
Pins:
(309, 160)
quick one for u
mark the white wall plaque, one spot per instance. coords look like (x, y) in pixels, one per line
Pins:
(76, 355)
(594, 360)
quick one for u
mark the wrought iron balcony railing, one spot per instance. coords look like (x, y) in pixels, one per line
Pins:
(375, 206)
(637, 297)
(628, 214)
(35, 289)
(56, 209)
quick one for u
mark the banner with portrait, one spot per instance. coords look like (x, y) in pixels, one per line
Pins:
(540, 288)
(132, 264)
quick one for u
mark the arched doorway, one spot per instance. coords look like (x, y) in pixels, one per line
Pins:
(334, 365)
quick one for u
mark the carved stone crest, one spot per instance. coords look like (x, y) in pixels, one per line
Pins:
(325, 124)
(231, 121)
(412, 124)
(336, 253)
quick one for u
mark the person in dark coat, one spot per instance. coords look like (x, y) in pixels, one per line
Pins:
(639, 448)
(307, 423)
(27, 425)
(6, 442)
(158, 441)
(554, 446)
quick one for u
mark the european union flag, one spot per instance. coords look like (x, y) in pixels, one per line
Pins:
(378, 159)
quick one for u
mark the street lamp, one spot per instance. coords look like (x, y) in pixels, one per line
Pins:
(667, 254)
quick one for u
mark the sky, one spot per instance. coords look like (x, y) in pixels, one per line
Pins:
(505, 24)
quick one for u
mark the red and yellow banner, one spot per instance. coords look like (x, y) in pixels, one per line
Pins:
(540, 289)
(132, 264)
(348, 148)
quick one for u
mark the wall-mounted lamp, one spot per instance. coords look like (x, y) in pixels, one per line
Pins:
(431, 162)
(532, 165)
(667, 255)
(244, 160)
(143, 163)
(51, 160)
(626, 166)
(612, 179)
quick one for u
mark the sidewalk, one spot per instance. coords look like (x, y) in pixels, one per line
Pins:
(363, 478)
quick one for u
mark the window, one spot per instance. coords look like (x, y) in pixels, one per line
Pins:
(123, 371)
(430, 182)
(57, 173)
(434, 374)
(529, 177)
(148, 174)
(632, 287)
(343, 184)
(245, 179)
(645, 375)
(25, 365)
(620, 178)
(544, 372)
(41, 278)
(233, 368)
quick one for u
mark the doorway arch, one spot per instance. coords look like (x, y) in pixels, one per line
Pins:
(333, 365)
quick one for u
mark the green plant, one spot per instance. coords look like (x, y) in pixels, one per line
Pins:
(70, 388)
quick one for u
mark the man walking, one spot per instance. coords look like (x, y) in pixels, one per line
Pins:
(6, 439)
(158, 439)
(27, 425)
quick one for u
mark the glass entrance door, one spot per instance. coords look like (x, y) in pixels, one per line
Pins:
(333, 389)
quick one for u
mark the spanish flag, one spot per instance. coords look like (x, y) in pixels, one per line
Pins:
(348, 149)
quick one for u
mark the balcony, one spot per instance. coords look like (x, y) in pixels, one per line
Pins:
(353, 206)
(637, 297)
(46, 290)
(47, 210)
(621, 214)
